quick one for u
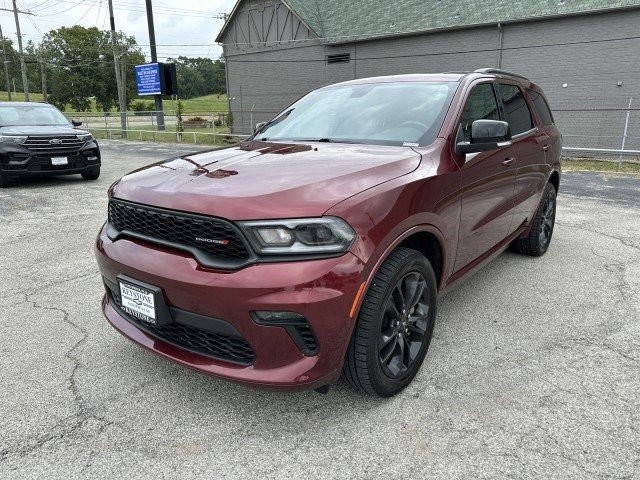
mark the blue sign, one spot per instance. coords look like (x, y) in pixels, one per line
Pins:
(148, 79)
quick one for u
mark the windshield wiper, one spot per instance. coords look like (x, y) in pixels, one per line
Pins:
(324, 139)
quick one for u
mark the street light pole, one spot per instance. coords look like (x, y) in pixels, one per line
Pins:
(43, 76)
(25, 82)
(154, 59)
(116, 61)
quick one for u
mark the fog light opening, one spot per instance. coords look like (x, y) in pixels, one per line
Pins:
(296, 325)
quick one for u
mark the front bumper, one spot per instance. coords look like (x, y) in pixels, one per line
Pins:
(17, 161)
(322, 291)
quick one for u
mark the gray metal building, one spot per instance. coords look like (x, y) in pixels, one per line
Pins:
(584, 53)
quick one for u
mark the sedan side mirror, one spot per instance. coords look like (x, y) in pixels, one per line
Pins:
(76, 123)
(486, 135)
(259, 126)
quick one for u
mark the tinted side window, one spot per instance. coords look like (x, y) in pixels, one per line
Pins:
(541, 107)
(481, 104)
(516, 111)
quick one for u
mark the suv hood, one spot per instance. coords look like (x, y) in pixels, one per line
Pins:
(41, 130)
(259, 180)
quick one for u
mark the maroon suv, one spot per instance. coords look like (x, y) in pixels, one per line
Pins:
(318, 247)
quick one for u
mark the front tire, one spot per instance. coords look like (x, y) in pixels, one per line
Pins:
(537, 241)
(394, 327)
(91, 174)
(4, 180)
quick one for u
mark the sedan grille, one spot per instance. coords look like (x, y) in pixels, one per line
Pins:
(53, 144)
(215, 238)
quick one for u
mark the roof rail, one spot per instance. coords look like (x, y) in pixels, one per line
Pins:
(499, 71)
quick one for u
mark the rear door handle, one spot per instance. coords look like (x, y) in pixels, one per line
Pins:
(508, 161)
(546, 147)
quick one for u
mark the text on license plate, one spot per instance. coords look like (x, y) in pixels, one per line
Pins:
(59, 161)
(138, 302)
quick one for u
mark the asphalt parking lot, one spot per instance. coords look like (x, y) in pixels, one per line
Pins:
(533, 372)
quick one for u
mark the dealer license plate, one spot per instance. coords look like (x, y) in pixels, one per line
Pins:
(138, 302)
(59, 161)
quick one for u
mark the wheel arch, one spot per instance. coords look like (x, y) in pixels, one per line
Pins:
(425, 238)
(428, 244)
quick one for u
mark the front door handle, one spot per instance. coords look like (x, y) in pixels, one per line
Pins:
(546, 147)
(508, 161)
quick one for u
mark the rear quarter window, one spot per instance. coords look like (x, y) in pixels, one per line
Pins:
(515, 108)
(541, 107)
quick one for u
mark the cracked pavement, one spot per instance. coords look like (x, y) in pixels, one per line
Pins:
(533, 372)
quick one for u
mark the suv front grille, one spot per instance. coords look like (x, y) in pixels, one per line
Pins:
(61, 143)
(215, 237)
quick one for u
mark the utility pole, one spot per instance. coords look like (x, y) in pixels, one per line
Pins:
(123, 81)
(25, 82)
(154, 59)
(43, 75)
(6, 68)
(121, 103)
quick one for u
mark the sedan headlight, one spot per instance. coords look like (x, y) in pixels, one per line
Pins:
(13, 139)
(85, 137)
(300, 236)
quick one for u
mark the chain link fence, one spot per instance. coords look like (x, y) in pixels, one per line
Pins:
(209, 128)
(601, 132)
(608, 133)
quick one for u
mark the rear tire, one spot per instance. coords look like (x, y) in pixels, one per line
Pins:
(91, 174)
(394, 326)
(537, 241)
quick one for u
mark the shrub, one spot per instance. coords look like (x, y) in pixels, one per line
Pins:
(140, 107)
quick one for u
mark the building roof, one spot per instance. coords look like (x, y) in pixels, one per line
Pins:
(340, 21)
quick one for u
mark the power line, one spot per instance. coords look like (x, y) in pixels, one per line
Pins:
(86, 12)
(134, 7)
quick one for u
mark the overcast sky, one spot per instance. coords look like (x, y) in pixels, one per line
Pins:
(183, 27)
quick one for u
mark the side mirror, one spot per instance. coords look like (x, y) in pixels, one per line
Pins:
(76, 123)
(486, 135)
(259, 126)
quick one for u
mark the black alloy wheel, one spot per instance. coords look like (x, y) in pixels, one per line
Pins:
(404, 326)
(394, 325)
(547, 220)
(537, 240)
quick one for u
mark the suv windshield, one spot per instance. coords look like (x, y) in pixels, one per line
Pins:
(11, 115)
(401, 113)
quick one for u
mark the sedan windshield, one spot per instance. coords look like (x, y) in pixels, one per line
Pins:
(400, 113)
(11, 116)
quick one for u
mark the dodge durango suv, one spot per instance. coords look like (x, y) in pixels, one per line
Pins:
(317, 248)
(37, 139)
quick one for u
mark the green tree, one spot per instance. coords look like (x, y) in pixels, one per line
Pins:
(32, 62)
(199, 76)
(80, 66)
(13, 64)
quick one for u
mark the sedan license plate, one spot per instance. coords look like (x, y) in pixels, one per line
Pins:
(138, 302)
(59, 161)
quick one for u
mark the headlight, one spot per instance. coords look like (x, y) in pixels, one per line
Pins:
(300, 236)
(85, 137)
(12, 139)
